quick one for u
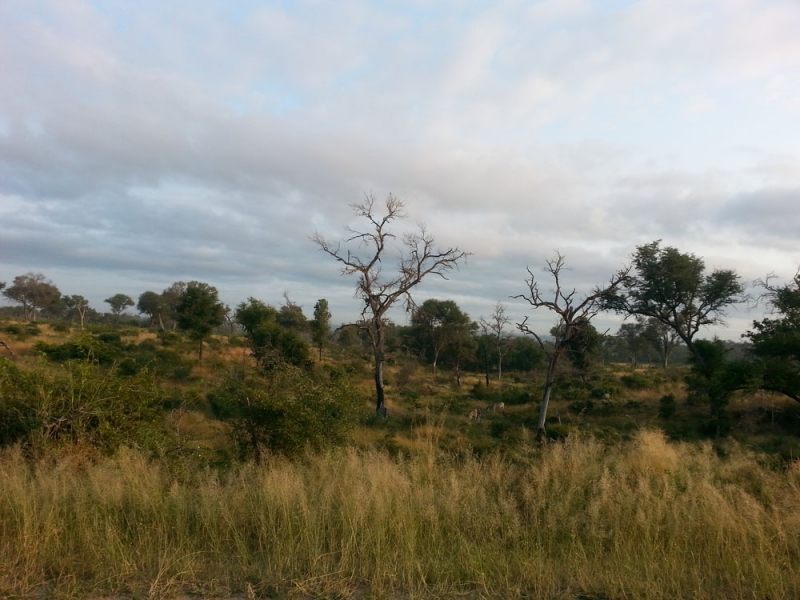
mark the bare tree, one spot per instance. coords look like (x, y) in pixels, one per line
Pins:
(378, 290)
(574, 317)
(495, 324)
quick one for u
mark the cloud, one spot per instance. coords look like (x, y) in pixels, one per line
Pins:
(197, 140)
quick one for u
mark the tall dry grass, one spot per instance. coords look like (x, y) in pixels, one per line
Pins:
(643, 520)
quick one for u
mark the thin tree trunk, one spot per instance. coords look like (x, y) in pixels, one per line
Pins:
(540, 428)
(380, 393)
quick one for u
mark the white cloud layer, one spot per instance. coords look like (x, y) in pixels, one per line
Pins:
(143, 143)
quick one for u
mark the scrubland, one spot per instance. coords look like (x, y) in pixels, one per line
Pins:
(624, 501)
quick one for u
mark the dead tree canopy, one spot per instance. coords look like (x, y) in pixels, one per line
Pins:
(362, 253)
(573, 314)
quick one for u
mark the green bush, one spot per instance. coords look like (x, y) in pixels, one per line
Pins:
(286, 410)
(637, 381)
(85, 347)
(667, 406)
(60, 327)
(78, 402)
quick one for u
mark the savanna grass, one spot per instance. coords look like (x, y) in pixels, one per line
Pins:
(646, 519)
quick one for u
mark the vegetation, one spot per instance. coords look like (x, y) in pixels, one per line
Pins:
(131, 469)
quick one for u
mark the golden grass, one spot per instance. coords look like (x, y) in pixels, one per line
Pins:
(646, 519)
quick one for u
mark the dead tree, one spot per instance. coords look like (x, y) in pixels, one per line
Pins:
(573, 315)
(378, 290)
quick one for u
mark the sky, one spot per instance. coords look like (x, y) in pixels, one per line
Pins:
(148, 142)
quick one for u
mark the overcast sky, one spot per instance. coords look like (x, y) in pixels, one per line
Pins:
(147, 142)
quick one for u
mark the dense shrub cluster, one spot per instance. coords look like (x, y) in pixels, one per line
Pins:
(80, 402)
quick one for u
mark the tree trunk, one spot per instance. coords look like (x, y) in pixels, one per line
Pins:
(540, 428)
(550, 380)
(380, 394)
(200, 353)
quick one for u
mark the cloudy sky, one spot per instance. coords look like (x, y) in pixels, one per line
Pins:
(147, 142)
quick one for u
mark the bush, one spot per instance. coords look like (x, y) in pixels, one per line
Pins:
(667, 406)
(85, 347)
(286, 411)
(637, 381)
(60, 327)
(80, 403)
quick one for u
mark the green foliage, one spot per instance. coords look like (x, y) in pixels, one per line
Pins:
(118, 303)
(776, 341)
(33, 291)
(286, 411)
(22, 331)
(199, 311)
(637, 381)
(667, 407)
(103, 349)
(321, 325)
(80, 403)
(510, 395)
(270, 343)
(673, 288)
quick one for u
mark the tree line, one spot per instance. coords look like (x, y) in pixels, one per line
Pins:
(666, 296)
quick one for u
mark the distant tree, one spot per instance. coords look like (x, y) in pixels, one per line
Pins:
(199, 312)
(118, 304)
(321, 325)
(633, 337)
(377, 291)
(172, 297)
(524, 354)
(571, 330)
(674, 289)
(230, 318)
(662, 337)
(77, 304)
(153, 305)
(496, 325)
(271, 344)
(291, 316)
(438, 324)
(33, 291)
(776, 340)
(583, 347)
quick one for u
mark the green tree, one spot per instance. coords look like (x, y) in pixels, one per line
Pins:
(436, 325)
(571, 332)
(270, 343)
(662, 337)
(321, 325)
(33, 291)
(674, 289)
(377, 290)
(776, 340)
(633, 337)
(153, 305)
(172, 297)
(118, 303)
(76, 304)
(199, 312)
(290, 316)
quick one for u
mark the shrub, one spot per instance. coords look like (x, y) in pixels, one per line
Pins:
(78, 402)
(286, 410)
(667, 406)
(60, 327)
(637, 381)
